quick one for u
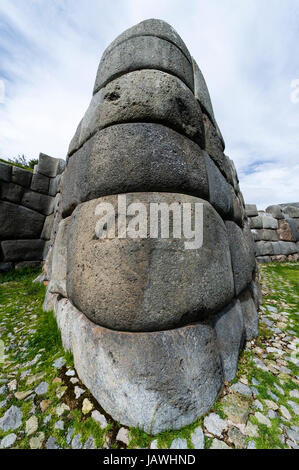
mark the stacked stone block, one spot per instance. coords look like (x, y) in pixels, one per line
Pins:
(275, 231)
(26, 207)
(155, 329)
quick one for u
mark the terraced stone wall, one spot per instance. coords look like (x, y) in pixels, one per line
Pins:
(27, 203)
(275, 231)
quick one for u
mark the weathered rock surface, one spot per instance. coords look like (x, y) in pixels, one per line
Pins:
(229, 328)
(144, 52)
(59, 260)
(151, 27)
(137, 289)
(243, 257)
(165, 99)
(31, 250)
(178, 384)
(151, 158)
(10, 226)
(250, 315)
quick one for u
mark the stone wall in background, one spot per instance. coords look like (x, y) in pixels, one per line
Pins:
(27, 203)
(275, 231)
(155, 329)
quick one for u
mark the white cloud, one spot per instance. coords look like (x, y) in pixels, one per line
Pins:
(245, 49)
(2, 91)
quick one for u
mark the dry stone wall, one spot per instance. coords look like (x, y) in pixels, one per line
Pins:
(27, 203)
(275, 231)
(155, 329)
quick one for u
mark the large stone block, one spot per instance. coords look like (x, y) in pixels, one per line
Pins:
(40, 183)
(275, 211)
(237, 213)
(151, 27)
(134, 158)
(250, 315)
(19, 222)
(256, 293)
(39, 202)
(269, 222)
(265, 234)
(47, 165)
(284, 231)
(242, 253)
(219, 192)
(144, 52)
(148, 284)
(230, 333)
(255, 222)
(21, 176)
(251, 210)
(201, 91)
(294, 226)
(214, 147)
(47, 228)
(290, 211)
(264, 248)
(27, 250)
(154, 381)
(57, 284)
(5, 172)
(165, 99)
(11, 192)
(54, 185)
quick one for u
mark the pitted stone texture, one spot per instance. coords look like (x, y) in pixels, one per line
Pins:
(251, 210)
(151, 27)
(57, 284)
(172, 377)
(149, 284)
(27, 250)
(275, 211)
(229, 328)
(219, 192)
(144, 52)
(243, 256)
(10, 226)
(143, 96)
(250, 315)
(134, 157)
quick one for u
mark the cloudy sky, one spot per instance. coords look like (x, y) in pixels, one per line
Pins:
(247, 50)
